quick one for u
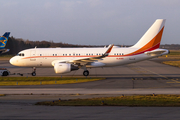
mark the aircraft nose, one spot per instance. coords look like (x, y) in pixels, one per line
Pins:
(12, 60)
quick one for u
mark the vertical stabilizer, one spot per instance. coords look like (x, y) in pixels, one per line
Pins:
(152, 38)
(4, 39)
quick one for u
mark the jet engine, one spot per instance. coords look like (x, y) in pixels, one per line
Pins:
(64, 67)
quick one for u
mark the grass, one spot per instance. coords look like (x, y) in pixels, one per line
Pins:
(173, 63)
(174, 54)
(172, 59)
(137, 100)
(5, 81)
(2, 95)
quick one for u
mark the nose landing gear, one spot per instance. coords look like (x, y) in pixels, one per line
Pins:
(33, 72)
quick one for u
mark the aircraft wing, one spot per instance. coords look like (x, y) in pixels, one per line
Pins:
(157, 52)
(92, 59)
(86, 60)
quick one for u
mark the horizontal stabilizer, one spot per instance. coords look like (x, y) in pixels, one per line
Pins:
(157, 52)
(4, 50)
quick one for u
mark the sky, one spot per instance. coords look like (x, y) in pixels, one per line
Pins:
(89, 22)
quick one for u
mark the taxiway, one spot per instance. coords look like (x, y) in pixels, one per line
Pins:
(145, 77)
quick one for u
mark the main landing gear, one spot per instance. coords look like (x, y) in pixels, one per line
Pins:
(86, 73)
(33, 72)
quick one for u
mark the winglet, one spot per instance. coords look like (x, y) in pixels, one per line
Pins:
(108, 50)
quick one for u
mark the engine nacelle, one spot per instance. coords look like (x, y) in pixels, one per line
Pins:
(64, 67)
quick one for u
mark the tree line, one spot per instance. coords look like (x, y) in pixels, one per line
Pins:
(17, 44)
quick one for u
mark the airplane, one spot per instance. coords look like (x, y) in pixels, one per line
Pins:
(65, 60)
(3, 41)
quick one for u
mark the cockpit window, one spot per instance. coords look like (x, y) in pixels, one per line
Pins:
(20, 54)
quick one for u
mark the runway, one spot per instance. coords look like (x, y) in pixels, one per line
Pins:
(145, 77)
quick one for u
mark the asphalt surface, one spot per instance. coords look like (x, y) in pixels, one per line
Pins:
(145, 77)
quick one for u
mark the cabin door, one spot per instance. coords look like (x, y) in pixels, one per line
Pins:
(32, 54)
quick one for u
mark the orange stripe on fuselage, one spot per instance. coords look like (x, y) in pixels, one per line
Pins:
(68, 56)
(56, 57)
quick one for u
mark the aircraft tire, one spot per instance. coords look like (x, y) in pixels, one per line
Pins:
(86, 73)
(33, 74)
(5, 73)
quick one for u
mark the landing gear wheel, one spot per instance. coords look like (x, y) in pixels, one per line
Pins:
(33, 74)
(5, 73)
(86, 73)
(34, 71)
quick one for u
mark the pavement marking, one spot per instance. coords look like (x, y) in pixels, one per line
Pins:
(154, 73)
(139, 69)
(173, 81)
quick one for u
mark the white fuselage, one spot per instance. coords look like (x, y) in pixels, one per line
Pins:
(65, 60)
(44, 57)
